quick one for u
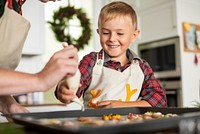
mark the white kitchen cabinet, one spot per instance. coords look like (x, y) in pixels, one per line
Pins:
(30, 64)
(31, 60)
(33, 11)
(157, 20)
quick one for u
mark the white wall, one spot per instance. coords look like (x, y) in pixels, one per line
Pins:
(188, 11)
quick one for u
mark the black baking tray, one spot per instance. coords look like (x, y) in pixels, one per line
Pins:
(148, 126)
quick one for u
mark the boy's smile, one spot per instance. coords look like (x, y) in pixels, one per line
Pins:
(116, 34)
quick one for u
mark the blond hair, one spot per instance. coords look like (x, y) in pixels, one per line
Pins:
(116, 9)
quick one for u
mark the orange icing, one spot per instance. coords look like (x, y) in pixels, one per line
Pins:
(129, 92)
(94, 95)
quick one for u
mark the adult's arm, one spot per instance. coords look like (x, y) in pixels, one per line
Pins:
(61, 64)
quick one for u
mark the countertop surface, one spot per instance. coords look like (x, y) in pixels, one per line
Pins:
(12, 128)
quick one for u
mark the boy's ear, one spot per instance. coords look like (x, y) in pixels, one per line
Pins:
(135, 35)
(97, 31)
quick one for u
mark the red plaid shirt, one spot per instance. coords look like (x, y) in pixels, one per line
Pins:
(151, 89)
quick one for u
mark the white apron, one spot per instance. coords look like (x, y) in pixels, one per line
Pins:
(109, 84)
(13, 32)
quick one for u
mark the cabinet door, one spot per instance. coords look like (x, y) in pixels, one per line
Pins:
(33, 11)
(30, 64)
(158, 22)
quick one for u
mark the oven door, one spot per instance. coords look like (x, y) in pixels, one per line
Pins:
(172, 98)
(172, 87)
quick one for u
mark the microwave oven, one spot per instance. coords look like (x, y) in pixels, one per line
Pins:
(163, 56)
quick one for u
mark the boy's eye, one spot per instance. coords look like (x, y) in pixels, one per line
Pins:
(105, 32)
(120, 33)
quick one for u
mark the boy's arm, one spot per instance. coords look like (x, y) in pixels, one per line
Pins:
(116, 104)
(152, 92)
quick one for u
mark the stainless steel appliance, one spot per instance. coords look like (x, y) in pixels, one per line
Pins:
(173, 91)
(164, 58)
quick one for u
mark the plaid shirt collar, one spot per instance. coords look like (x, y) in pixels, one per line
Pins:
(129, 53)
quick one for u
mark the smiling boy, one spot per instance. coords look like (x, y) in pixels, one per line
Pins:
(116, 76)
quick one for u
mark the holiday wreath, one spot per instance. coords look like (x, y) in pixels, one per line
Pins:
(60, 22)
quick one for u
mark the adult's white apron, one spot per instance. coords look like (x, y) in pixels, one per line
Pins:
(109, 84)
(13, 32)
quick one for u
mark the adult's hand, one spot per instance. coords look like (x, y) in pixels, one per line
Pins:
(60, 65)
(9, 105)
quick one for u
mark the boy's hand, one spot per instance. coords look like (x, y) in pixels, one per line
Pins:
(117, 104)
(111, 104)
(64, 94)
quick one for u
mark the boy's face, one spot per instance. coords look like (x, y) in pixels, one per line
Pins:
(116, 35)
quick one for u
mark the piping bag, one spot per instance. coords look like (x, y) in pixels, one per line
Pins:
(73, 84)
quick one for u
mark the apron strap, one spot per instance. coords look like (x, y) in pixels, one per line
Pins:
(133, 63)
(99, 63)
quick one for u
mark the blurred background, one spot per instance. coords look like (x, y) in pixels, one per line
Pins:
(157, 20)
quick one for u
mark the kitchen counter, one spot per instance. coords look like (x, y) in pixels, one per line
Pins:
(12, 128)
